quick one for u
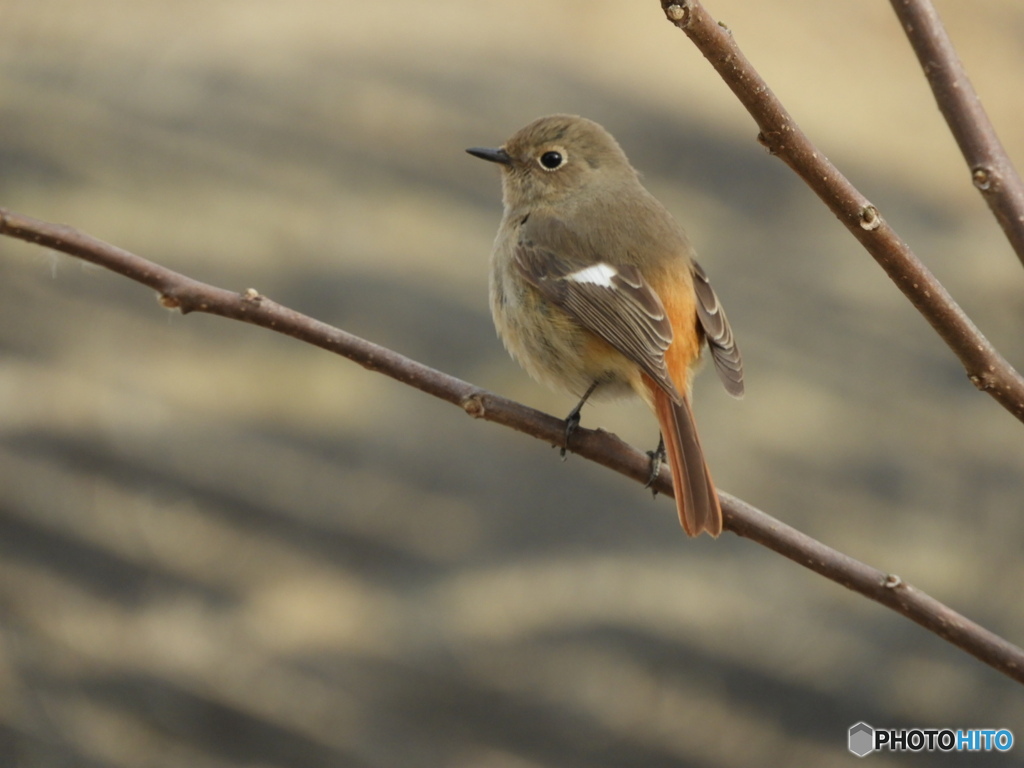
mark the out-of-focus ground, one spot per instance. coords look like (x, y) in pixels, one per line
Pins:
(220, 547)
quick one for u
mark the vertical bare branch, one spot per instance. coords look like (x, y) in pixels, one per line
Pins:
(992, 171)
(985, 367)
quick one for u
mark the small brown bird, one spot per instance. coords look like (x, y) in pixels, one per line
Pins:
(594, 290)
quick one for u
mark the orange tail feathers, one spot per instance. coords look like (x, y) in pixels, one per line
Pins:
(696, 498)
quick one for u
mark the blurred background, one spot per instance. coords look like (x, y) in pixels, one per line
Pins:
(220, 547)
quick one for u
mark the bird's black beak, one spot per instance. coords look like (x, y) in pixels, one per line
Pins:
(493, 155)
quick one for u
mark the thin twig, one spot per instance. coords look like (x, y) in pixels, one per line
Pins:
(992, 171)
(187, 295)
(985, 367)
(888, 589)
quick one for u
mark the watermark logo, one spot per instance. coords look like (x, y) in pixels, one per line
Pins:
(863, 739)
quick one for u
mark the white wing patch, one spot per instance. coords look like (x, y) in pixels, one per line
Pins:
(600, 274)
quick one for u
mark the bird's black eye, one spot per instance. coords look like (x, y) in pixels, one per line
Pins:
(552, 160)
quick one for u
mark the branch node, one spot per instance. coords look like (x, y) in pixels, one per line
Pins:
(982, 178)
(762, 139)
(474, 405)
(252, 295)
(870, 219)
(677, 13)
(168, 302)
(985, 381)
(892, 581)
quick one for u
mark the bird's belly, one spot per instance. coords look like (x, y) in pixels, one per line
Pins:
(552, 346)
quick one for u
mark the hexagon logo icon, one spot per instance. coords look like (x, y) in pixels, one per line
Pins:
(861, 739)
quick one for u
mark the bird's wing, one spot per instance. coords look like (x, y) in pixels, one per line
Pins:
(725, 353)
(612, 301)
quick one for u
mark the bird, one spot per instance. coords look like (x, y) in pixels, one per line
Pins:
(594, 290)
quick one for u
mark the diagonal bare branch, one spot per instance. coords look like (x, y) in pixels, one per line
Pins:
(986, 368)
(992, 171)
(177, 291)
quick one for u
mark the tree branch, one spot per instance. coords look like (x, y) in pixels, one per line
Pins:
(985, 367)
(177, 291)
(992, 171)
